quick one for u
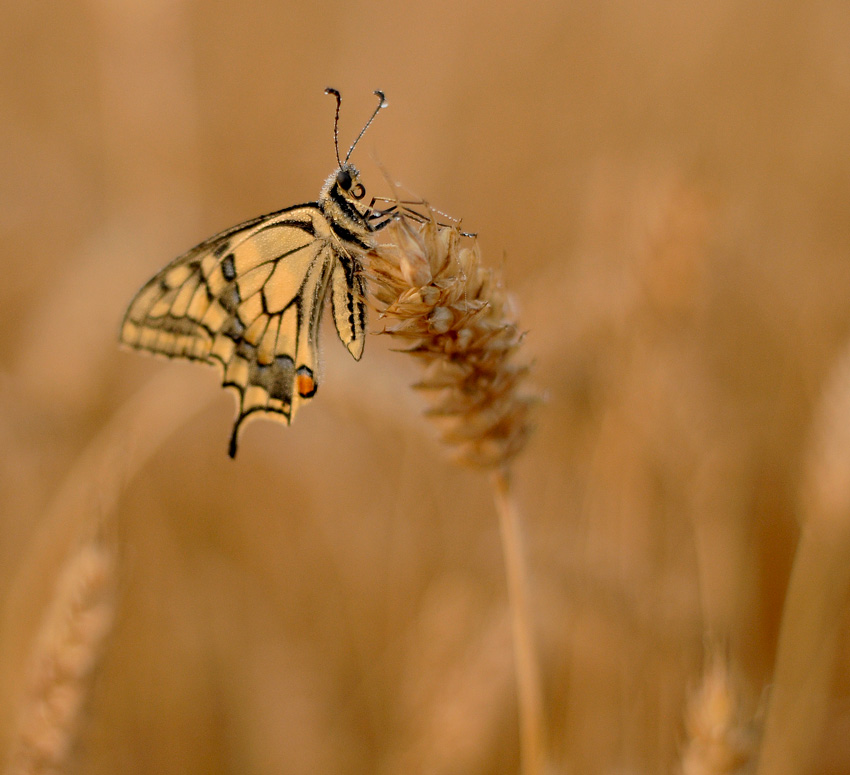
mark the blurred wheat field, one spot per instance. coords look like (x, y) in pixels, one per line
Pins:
(666, 188)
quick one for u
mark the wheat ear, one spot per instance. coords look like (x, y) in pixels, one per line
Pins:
(65, 654)
(720, 741)
(434, 295)
(76, 624)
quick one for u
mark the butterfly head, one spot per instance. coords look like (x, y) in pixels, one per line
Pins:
(346, 182)
(341, 200)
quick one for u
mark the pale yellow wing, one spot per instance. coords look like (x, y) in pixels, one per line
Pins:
(250, 301)
(348, 302)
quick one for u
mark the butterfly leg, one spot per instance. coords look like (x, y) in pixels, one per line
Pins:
(399, 209)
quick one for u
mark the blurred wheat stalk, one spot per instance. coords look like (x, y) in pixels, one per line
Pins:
(813, 617)
(454, 315)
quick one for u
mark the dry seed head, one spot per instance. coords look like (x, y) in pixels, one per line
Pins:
(432, 293)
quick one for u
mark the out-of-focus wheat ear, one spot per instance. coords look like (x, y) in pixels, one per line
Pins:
(436, 298)
(818, 590)
(77, 619)
(720, 741)
(63, 660)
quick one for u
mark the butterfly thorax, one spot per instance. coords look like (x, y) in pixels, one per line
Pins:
(340, 202)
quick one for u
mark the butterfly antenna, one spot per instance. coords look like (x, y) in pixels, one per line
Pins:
(382, 103)
(336, 94)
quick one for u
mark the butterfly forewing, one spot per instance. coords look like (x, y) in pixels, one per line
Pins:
(250, 300)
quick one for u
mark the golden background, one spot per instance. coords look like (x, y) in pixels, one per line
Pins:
(667, 189)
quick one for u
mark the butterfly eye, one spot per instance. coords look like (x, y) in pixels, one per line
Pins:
(343, 178)
(358, 192)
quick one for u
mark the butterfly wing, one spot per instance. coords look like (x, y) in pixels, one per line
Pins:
(348, 304)
(250, 301)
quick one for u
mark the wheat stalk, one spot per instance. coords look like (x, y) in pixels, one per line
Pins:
(453, 314)
(816, 602)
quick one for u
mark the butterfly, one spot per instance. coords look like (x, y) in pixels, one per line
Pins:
(250, 299)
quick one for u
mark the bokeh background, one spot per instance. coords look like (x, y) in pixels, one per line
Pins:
(666, 188)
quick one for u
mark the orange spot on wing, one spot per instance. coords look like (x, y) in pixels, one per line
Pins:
(306, 385)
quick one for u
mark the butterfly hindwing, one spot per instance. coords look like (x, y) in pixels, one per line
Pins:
(249, 300)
